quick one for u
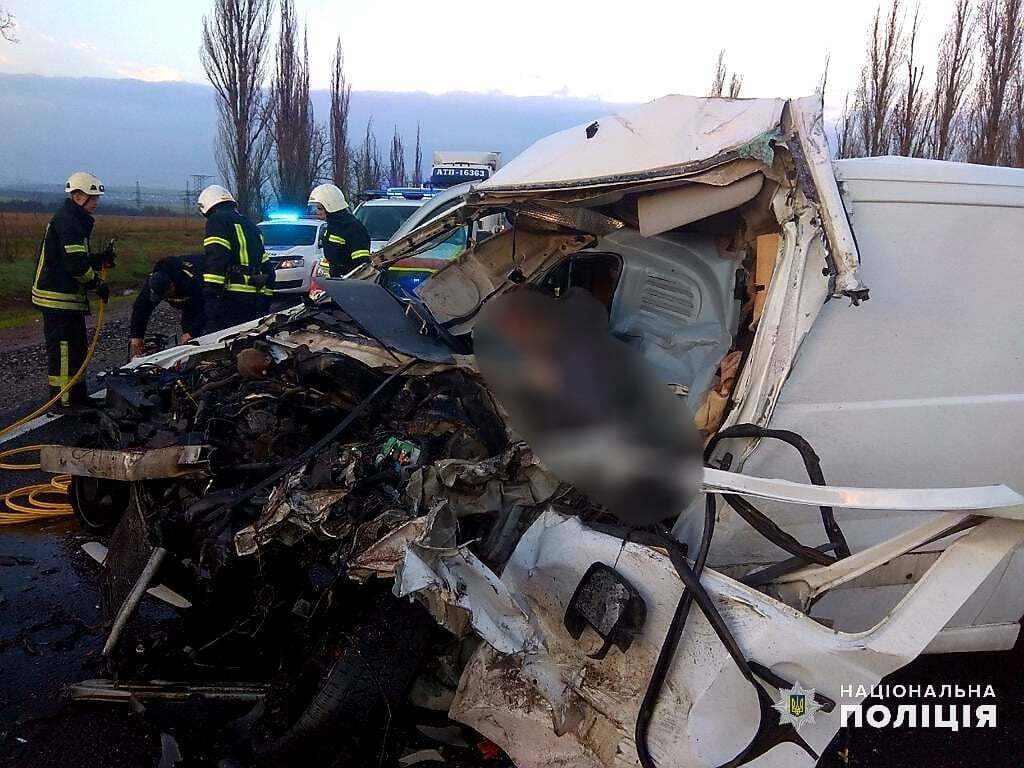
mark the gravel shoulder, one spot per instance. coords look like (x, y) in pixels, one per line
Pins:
(23, 353)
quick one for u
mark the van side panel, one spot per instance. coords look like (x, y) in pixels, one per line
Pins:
(921, 386)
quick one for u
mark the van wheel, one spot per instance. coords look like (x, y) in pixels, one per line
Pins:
(360, 683)
(97, 503)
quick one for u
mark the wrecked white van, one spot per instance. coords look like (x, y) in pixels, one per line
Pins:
(846, 335)
(920, 387)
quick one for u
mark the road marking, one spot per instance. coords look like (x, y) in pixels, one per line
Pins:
(47, 418)
(37, 422)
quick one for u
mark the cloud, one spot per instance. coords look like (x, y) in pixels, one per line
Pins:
(78, 45)
(151, 74)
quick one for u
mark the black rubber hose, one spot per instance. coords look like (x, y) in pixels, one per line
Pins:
(765, 737)
(812, 463)
(668, 648)
(764, 525)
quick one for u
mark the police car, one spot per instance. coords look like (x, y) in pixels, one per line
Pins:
(293, 243)
(385, 212)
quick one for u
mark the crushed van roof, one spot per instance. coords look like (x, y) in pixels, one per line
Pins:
(665, 136)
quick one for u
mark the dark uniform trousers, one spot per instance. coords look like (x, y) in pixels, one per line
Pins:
(66, 345)
(64, 273)
(225, 309)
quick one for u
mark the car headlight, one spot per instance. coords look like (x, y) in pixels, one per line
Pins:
(291, 263)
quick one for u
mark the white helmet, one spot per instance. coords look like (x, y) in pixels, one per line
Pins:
(213, 195)
(85, 182)
(330, 197)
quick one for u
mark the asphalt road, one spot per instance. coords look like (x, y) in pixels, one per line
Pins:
(51, 635)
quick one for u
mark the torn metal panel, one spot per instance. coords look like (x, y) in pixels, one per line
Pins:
(671, 136)
(515, 477)
(805, 116)
(602, 696)
(125, 691)
(98, 552)
(990, 500)
(298, 506)
(794, 298)
(128, 466)
(455, 293)
(382, 557)
(448, 577)
(384, 318)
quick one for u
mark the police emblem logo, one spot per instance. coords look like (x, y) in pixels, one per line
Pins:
(796, 706)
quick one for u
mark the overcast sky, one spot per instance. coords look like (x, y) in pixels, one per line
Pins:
(624, 51)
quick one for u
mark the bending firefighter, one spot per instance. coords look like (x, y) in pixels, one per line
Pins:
(179, 281)
(66, 271)
(237, 275)
(346, 241)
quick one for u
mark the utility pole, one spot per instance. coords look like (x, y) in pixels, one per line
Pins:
(193, 185)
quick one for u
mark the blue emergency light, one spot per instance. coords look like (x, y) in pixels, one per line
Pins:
(284, 216)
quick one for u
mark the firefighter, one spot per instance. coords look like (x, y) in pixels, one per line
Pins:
(66, 271)
(237, 275)
(179, 281)
(346, 242)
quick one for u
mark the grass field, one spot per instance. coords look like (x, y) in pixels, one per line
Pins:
(141, 241)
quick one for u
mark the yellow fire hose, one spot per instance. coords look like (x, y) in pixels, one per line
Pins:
(43, 500)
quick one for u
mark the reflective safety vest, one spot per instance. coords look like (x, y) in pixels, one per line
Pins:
(234, 253)
(64, 268)
(346, 243)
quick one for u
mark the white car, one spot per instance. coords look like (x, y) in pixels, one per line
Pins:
(383, 216)
(294, 247)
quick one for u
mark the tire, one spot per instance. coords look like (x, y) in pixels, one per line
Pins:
(366, 678)
(98, 504)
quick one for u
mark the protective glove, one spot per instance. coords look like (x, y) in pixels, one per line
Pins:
(100, 288)
(105, 258)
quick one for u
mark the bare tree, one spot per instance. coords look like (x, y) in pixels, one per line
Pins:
(340, 149)
(7, 25)
(1000, 39)
(294, 130)
(876, 93)
(369, 165)
(952, 80)
(417, 163)
(912, 115)
(234, 55)
(718, 84)
(320, 153)
(396, 168)
(1015, 149)
(823, 83)
(735, 85)
(848, 133)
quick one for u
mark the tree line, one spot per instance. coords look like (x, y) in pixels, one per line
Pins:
(968, 106)
(269, 141)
